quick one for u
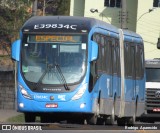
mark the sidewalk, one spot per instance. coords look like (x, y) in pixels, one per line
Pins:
(6, 114)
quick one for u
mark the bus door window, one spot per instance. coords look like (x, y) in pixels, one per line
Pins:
(133, 72)
(118, 68)
(108, 55)
(108, 45)
(139, 65)
(103, 53)
(112, 66)
(126, 59)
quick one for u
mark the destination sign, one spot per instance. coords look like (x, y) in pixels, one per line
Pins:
(54, 38)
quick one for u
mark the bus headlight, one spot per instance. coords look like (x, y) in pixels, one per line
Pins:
(80, 92)
(24, 92)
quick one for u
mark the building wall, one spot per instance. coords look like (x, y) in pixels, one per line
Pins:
(77, 7)
(148, 26)
(109, 15)
(132, 6)
(7, 90)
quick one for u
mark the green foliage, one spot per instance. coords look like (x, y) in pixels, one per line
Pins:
(13, 14)
(55, 7)
(18, 118)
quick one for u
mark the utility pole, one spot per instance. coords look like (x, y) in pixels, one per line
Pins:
(34, 8)
(158, 43)
(124, 15)
(44, 7)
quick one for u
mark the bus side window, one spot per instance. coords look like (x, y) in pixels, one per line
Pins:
(139, 62)
(126, 59)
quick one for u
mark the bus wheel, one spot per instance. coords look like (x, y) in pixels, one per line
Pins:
(44, 119)
(94, 117)
(29, 117)
(110, 120)
(132, 120)
(121, 121)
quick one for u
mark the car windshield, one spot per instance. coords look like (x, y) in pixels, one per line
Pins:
(152, 74)
(41, 54)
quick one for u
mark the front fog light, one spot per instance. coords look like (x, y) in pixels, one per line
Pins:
(21, 105)
(82, 105)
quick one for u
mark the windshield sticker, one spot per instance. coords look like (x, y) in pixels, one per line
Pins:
(26, 45)
(69, 49)
(24, 69)
(34, 69)
(83, 45)
(54, 46)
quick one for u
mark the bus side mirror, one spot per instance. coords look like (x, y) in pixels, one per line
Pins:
(16, 50)
(94, 52)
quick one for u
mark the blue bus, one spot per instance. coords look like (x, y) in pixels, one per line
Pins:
(79, 68)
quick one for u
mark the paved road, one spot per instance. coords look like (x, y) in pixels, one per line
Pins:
(76, 128)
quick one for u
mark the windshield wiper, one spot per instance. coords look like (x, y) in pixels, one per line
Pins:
(62, 77)
(49, 67)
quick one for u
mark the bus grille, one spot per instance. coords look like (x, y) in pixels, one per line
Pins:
(151, 101)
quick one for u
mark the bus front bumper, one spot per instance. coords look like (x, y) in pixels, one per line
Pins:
(77, 106)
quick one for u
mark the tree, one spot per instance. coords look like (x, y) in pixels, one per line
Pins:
(13, 14)
(54, 7)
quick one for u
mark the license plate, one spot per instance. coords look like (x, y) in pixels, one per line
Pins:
(156, 109)
(51, 105)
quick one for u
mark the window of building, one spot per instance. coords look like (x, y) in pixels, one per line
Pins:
(112, 3)
(156, 3)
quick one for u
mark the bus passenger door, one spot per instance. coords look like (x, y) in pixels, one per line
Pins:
(118, 69)
(115, 69)
(110, 65)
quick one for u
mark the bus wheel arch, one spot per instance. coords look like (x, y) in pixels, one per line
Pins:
(93, 118)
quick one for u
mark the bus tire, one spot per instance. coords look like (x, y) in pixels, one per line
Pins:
(44, 119)
(111, 119)
(29, 117)
(121, 121)
(93, 118)
(132, 120)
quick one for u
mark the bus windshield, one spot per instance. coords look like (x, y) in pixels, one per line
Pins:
(41, 54)
(152, 74)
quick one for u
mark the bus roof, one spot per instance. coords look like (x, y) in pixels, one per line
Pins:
(82, 23)
(69, 24)
(152, 63)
